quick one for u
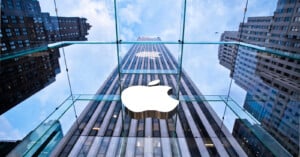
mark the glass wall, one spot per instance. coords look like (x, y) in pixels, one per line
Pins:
(56, 55)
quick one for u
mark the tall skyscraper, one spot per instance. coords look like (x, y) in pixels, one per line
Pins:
(101, 131)
(271, 81)
(25, 27)
(280, 31)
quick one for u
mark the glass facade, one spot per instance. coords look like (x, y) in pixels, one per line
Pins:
(25, 29)
(101, 124)
(63, 70)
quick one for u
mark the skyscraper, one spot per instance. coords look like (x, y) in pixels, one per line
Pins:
(101, 131)
(271, 81)
(25, 27)
(229, 52)
(280, 31)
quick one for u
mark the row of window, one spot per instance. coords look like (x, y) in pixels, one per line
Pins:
(285, 19)
(13, 44)
(285, 28)
(255, 33)
(295, 29)
(280, 66)
(283, 2)
(253, 38)
(17, 31)
(67, 20)
(23, 31)
(280, 28)
(259, 20)
(285, 43)
(37, 20)
(256, 26)
(70, 34)
(284, 10)
(13, 19)
(277, 35)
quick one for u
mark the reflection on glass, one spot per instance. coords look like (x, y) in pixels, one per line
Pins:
(271, 80)
(25, 27)
(23, 76)
(33, 144)
(213, 125)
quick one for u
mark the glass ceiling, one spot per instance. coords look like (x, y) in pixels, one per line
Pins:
(190, 29)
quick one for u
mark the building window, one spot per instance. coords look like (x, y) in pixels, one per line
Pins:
(4, 19)
(24, 31)
(297, 19)
(8, 32)
(20, 43)
(13, 19)
(289, 10)
(17, 31)
(10, 4)
(295, 29)
(286, 19)
(21, 19)
(3, 47)
(27, 43)
(277, 19)
(18, 5)
(12, 45)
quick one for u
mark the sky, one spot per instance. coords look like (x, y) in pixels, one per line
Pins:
(90, 65)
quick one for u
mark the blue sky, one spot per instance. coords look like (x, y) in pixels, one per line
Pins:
(89, 65)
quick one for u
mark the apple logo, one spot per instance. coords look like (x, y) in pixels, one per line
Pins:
(149, 101)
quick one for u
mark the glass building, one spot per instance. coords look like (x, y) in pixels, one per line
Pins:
(61, 87)
(271, 81)
(193, 131)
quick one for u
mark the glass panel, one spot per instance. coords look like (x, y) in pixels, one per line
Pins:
(151, 58)
(49, 130)
(201, 64)
(92, 67)
(53, 91)
(60, 52)
(99, 15)
(207, 20)
(149, 18)
(267, 78)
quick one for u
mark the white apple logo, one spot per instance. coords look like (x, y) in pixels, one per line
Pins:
(149, 101)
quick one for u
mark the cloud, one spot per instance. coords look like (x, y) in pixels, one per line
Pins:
(131, 13)
(149, 18)
(7, 131)
(89, 65)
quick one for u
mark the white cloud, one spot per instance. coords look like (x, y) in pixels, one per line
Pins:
(7, 131)
(131, 13)
(149, 18)
(89, 65)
